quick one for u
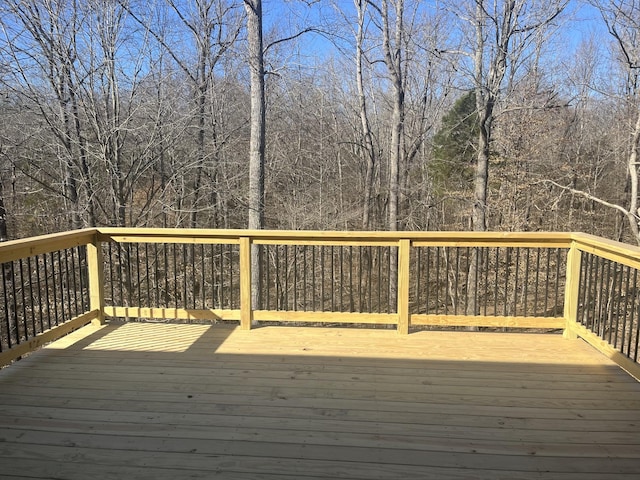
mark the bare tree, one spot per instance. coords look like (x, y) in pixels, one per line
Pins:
(622, 18)
(368, 148)
(253, 9)
(503, 31)
(4, 235)
(214, 26)
(41, 41)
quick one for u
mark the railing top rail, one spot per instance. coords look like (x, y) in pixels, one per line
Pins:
(27, 247)
(616, 251)
(450, 238)
(21, 248)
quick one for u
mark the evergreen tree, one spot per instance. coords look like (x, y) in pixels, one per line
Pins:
(454, 145)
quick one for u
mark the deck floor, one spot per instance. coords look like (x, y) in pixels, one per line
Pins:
(162, 401)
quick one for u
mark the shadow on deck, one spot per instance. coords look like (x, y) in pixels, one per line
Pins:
(176, 401)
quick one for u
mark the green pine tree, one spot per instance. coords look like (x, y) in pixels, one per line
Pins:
(454, 145)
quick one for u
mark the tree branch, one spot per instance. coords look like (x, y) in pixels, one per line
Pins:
(588, 196)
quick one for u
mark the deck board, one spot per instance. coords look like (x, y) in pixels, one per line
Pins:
(192, 401)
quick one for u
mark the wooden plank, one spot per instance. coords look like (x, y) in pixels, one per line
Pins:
(302, 387)
(23, 248)
(246, 309)
(324, 317)
(615, 251)
(436, 375)
(404, 282)
(195, 240)
(46, 461)
(45, 337)
(95, 270)
(172, 313)
(487, 321)
(572, 289)
(533, 239)
(282, 402)
(533, 242)
(607, 349)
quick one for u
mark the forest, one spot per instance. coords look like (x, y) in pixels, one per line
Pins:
(508, 115)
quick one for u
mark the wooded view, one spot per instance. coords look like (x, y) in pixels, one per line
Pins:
(514, 115)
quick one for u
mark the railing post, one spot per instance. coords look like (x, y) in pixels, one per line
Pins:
(404, 250)
(245, 283)
(572, 288)
(95, 271)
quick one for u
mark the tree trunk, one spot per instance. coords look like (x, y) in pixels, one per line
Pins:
(368, 148)
(257, 140)
(4, 236)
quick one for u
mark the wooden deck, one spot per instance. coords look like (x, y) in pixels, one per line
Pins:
(163, 401)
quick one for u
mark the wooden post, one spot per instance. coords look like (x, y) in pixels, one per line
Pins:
(404, 250)
(96, 279)
(572, 287)
(246, 309)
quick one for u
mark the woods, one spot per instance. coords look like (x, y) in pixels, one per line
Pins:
(371, 114)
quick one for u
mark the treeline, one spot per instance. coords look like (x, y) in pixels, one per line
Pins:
(379, 115)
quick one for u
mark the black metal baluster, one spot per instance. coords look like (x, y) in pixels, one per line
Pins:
(286, 277)
(546, 283)
(632, 319)
(341, 263)
(221, 279)
(516, 276)
(526, 280)
(587, 290)
(7, 308)
(369, 280)
(65, 283)
(487, 261)
(333, 280)
(233, 267)
(437, 249)
(428, 282)
(55, 288)
(74, 280)
(361, 307)
(314, 296)
(477, 252)
(32, 303)
(40, 299)
(418, 275)
(507, 274)
(558, 312)
(277, 249)
(456, 277)
(615, 303)
(322, 270)
(47, 290)
(537, 289)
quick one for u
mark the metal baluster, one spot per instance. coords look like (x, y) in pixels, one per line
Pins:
(515, 282)
(418, 275)
(74, 280)
(437, 250)
(537, 289)
(40, 300)
(546, 284)
(59, 284)
(46, 281)
(322, 269)
(636, 305)
(558, 312)
(427, 283)
(7, 308)
(627, 274)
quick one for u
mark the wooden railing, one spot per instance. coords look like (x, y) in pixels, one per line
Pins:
(583, 284)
